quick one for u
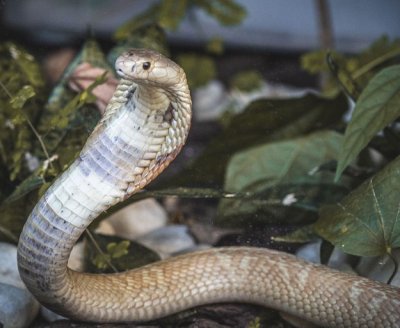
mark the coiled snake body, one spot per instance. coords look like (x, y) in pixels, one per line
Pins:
(145, 125)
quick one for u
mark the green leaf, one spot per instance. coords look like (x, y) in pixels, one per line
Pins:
(290, 161)
(167, 14)
(171, 13)
(14, 215)
(31, 183)
(101, 261)
(126, 30)
(63, 118)
(264, 120)
(367, 221)
(150, 36)
(197, 77)
(123, 254)
(287, 172)
(247, 80)
(373, 58)
(19, 100)
(352, 71)
(294, 204)
(215, 46)
(68, 117)
(254, 323)
(114, 251)
(227, 12)
(343, 78)
(20, 80)
(378, 105)
(117, 250)
(22, 145)
(90, 53)
(380, 51)
(27, 64)
(302, 235)
(314, 62)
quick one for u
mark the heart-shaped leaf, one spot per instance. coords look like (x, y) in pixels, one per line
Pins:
(367, 221)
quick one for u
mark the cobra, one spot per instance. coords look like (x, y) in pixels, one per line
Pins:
(145, 126)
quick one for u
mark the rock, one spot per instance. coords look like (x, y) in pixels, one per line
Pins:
(195, 248)
(18, 308)
(76, 259)
(210, 101)
(378, 268)
(50, 315)
(17, 305)
(168, 240)
(8, 266)
(106, 228)
(311, 252)
(135, 220)
(207, 233)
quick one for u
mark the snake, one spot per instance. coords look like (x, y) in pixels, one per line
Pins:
(145, 125)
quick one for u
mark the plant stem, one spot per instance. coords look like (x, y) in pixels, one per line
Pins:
(98, 249)
(395, 270)
(8, 234)
(377, 61)
(325, 34)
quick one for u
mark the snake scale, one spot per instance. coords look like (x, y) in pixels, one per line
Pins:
(145, 125)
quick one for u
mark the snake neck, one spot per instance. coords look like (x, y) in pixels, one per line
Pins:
(141, 132)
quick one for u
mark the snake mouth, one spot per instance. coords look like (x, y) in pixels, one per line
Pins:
(120, 72)
(123, 75)
(123, 68)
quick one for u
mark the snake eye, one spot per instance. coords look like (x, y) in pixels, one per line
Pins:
(146, 65)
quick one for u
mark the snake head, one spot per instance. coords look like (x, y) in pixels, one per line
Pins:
(148, 67)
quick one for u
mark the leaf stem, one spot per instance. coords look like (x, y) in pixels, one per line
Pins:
(39, 137)
(8, 234)
(377, 61)
(5, 90)
(100, 251)
(395, 270)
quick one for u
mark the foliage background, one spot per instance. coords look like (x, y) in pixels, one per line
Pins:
(297, 161)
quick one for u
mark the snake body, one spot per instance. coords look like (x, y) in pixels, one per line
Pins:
(145, 125)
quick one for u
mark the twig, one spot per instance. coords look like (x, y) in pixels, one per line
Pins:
(6, 90)
(325, 33)
(9, 234)
(38, 136)
(325, 24)
(196, 193)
